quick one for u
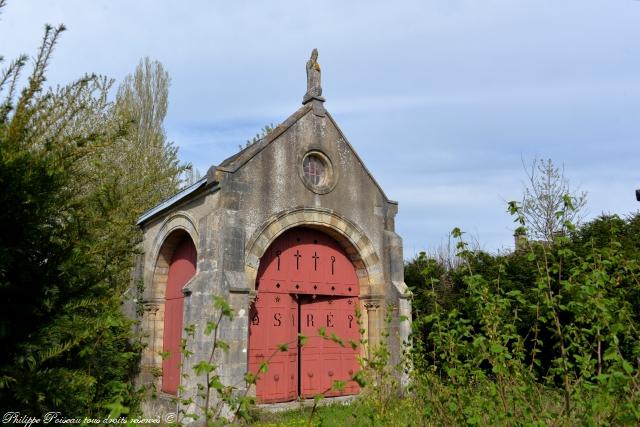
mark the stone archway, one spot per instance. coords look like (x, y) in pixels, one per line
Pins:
(352, 239)
(357, 246)
(174, 231)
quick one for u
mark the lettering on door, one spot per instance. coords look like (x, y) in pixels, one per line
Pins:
(307, 279)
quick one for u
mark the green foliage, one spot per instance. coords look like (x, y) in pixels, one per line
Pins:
(401, 412)
(546, 335)
(67, 243)
(545, 199)
(424, 275)
(380, 379)
(217, 402)
(266, 129)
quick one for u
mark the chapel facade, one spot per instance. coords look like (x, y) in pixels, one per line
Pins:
(296, 234)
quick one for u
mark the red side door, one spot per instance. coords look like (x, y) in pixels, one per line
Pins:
(181, 269)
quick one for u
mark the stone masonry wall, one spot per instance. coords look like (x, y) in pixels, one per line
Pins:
(257, 198)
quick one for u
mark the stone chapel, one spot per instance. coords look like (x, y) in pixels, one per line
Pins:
(296, 234)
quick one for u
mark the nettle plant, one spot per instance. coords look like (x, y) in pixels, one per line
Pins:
(220, 403)
(377, 377)
(215, 401)
(558, 344)
(581, 296)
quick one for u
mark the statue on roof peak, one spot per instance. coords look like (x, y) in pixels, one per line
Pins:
(314, 89)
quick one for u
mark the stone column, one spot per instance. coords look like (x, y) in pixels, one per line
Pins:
(373, 326)
(151, 315)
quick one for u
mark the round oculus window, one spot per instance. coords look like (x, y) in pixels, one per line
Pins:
(315, 170)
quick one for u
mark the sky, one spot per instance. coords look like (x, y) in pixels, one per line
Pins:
(443, 99)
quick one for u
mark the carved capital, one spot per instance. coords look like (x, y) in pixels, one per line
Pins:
(372, 305)
(151, 307)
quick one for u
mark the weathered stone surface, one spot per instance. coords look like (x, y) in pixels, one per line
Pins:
(314, 87)
(248, 201)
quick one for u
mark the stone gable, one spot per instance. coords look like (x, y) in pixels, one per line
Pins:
(302, 175)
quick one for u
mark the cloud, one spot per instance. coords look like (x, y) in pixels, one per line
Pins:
(441, 98)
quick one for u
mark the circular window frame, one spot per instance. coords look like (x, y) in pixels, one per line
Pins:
(330, 179)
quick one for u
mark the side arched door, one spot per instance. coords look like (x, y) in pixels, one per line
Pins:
(181, 269)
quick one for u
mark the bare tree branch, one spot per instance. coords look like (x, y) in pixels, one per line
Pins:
(543, 200)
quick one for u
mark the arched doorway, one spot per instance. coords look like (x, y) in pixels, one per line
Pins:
(181, 268)
(306, 285)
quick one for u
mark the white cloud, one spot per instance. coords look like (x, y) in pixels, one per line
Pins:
(441, 98)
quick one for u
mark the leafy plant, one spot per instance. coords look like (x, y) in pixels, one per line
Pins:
(544, 198)
(217, 402)
(67, 243)
(544, 336)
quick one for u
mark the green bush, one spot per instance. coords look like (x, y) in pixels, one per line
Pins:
(68, 238)
(547, 335)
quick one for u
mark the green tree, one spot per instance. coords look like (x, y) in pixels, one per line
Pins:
(425, 275)
(548, 334)
(542, 200)
(72, 191)
(145, 157)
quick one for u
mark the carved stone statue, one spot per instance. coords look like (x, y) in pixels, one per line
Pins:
(314, 89)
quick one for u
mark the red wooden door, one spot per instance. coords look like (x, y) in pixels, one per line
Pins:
(308, 276)
(307, 261)
(274, 321)
(322, 360)
(181, 269)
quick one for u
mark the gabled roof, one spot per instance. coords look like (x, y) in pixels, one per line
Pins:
(355, 153)
(235, 162)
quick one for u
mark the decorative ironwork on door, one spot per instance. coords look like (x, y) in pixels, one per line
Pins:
(305, 281)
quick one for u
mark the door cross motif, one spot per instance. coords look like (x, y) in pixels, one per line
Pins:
(298, 255)
(300, 301)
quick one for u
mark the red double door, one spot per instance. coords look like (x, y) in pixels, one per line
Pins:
(306, 286)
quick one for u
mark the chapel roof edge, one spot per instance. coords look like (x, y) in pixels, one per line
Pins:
(239, 159)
